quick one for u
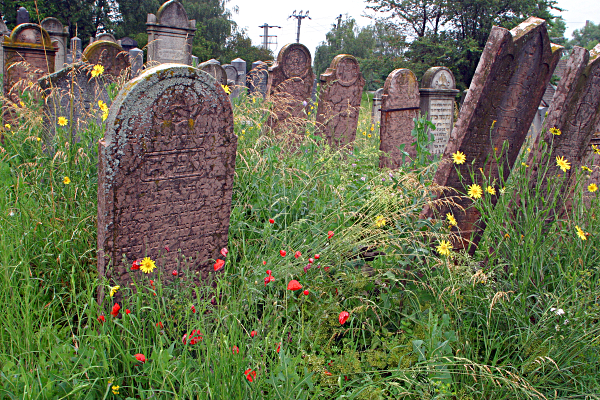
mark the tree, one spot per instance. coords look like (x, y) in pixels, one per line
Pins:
(588, 36)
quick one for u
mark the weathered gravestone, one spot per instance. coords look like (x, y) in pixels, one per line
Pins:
(575, 111)
(215, 70)
(240, 65)
(74, 51)
(28, 55)
(4, 31)
(108, 54)
(22, 16)
(128, 43)
(107, 37)
(438, 91)
(136, 58)
(399, 106)
(165, 177)
(59, 34)
(289, 86)
(339, 103)
(376, 110)
(232, 79)
(257, 79)
(504, 95)
(170, 34)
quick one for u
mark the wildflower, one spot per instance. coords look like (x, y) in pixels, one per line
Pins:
(250, 375)
(451, 219)
(147, 265)
(282, 253)
(326, 268)
(278, 347)
(224, 251)
(102, 105)
(271, 221)
(62, 121)
(459, 157)
(555, 131)
(175, 273)
(343, 317)
(113, 290)
(115, 310)
(253, 333)
(596, 149)
(115, 389)
(475, 191)
(364, 133)
(195, 336)
(254, 100)
(369, 135)
(444, 248)
(38, 138)
(493, 123)
(327, 372)
(506, 236)
(297, 254)
(525, 165)
(219, 264)
(235, 350)
(127, 311)
(491, 190)
(269, 278)
(558, 311)
(309, 266)
(563, 163)
(140, 357)
(363, 178)
(329, 234)
(317, 256)
(226, 89)
(528, 149)
(159, 324)
(21, 104)
(305, 292)
(136, 265)
(580, 233)
(379, 221)
(193, 309)
(66, 180)
(311, 260)
(104, 116)
(97, 70)
(503, 190)
(7, 126)
(592, 187)
(587, 169)
(372, 127)
(294, 285)
(101, 319)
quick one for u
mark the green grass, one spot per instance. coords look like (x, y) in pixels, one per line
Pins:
(421, 326)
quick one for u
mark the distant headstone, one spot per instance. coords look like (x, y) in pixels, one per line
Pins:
(240, 65)
(128, 43)
(136, 58)
(107, 37)
(376, 110)
(60, 35)
(509, 82)
(232, 77)
(75, 50)
(257, 63)
(165, 175)
(22, 16)
(339, 104)
(438, 92)
(108, 54)
(170, 34)
(399, 106)
(313, 92)
(215, 70)
(257, 79)
(289, 86)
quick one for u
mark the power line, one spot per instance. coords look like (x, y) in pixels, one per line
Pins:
(266, 36)
(299, 17)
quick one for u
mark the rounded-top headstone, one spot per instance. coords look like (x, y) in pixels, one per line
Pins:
(32, 34)
(108, 54)
(440, 78)
(22, 16)
(401, 90)
(295, 60)
(214, 70)
(258, 63)
(52, 25)
(346, 70)
(172, 14)
(230, 71)
(109, 37)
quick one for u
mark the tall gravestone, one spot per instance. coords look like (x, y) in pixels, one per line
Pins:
(170, 34)
(136, 59)
(289, 86)
(108, 54)
(22, 16)
(339, 105)
(165, 176)
(240, 65)
(59, 34)
(438, 92)
(215, 70)
(376, 110)
(509, 82)
(4, 32)
(257, 79)
(399, 106)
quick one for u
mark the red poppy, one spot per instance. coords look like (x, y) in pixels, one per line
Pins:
(278, 347)
(115, 310)
(127, 311)
(140, 357)
(297, 254)
(250, 375)
(326, 268)
(271, 220)
(268, 279)
(136, 265)
(329, 234)
(193, 309)
(306, 292)
(224, 251)
(264, 263)
(219, 264)
(167, 249)
(317, 256)
(294, 285)
(101, 319)
(175, 273)
(344, 315)
(327, 372)
(235, 350)
(269, 272)
(253, 333)
(160, 324)
(152, 284)
(282, 252)
(311, 260)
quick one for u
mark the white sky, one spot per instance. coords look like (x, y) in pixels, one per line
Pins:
(324, 13)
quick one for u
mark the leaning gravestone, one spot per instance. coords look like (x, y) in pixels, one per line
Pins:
(339, 103)
(59, 35)
(165, 176)
(170, 34)
(504, 95)
(376, 110)
(215, 70)
(399, 106)
(438, 91)
(256, 80)
(108, 54)
(289, 86)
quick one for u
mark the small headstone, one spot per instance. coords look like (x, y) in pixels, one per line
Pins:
(60, 35)
(257, 63)
(399, 106)
(75, 50)
(108, 54)
(376, 110)
(128, 43)
(165, 176)
(22, 16)
(107, 37)
(257, 79)
(232, 77)
(438, 92)
(136, 58)
(339, 104)
(289, 87)
(240, 65)
(170, 34)
(215, 70)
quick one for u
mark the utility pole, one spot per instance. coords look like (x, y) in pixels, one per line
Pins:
(266, 36)
(299, 17)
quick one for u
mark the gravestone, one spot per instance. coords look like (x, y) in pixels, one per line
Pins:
(376, 110)
(170, 34)
(313, 92)
(108, 54)
(128, 43)
(107, 37)
(215, 70)
(4, 31)
(339, 104)
(136, 59)
(75, 50)
(399, 106)
(509, 82)
(194, 61)
(438, 92)
(232, 79)
(257, 63)
(257, 79)
(165, 176)
(22, 16)
(59, 34)
(289, 86)
(31, 44)
(240, 65)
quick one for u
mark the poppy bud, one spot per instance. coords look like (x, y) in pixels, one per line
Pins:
(329, 234)
(317, 256)
(174, 272)
(271, 220)
(224, 252)
(282, 252)
(306, 292)
(268, 272)
(311, 260)
(253, 333)
(344, 315)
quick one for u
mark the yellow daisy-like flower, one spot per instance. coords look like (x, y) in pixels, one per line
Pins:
(491, 190)
(596, 149)
(312, 107)
(97, 70)
(21, 104)
(372, 127)
(580, 233)
(114, 290)
(459, 157)
(226, 89)
(62, 121)
(38, 139)
(555, 131)
(66, 180)
(451, 219)
(104, 116)
(475, 191)
(254, 99)
(243, 131)
(528, 149)
(7, 126)
(585, 168)
(369, 135)
(147, 265)
(115, 389)
(102, 106)
(563, 163)
(592, 187)
(364, 133)
(444, 248)
(380, 221)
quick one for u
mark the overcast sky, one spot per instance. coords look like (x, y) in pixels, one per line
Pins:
(324, 13)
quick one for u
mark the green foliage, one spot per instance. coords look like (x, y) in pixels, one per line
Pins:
(588, 36)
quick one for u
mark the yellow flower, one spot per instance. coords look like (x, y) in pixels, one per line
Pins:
(97, 70)
(596, 149)
(592, 187)
(147, 265)
(115, 389)
(38, 139)
(364, 133)
(459, 157)
(379, 221)
(66, 180)
(62, 121)
(372, 127)
(525, 165)
(585, 168)
(580, 233)
(491, 190)
(114, 289)
(506, 236)
(104, 116)
(243, 131)
(555, 131)
(102, 106)
(528, 149)
(451, 219)
(21, 104)
(475, 191)
(503, 190)
(258, 126)
(369, 135)
(254, 99)
(312, 107)
(444, 248)
(226, 89)
(7, 126)
(563, 163)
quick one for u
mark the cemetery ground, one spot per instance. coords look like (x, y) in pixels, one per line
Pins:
(333, 287)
